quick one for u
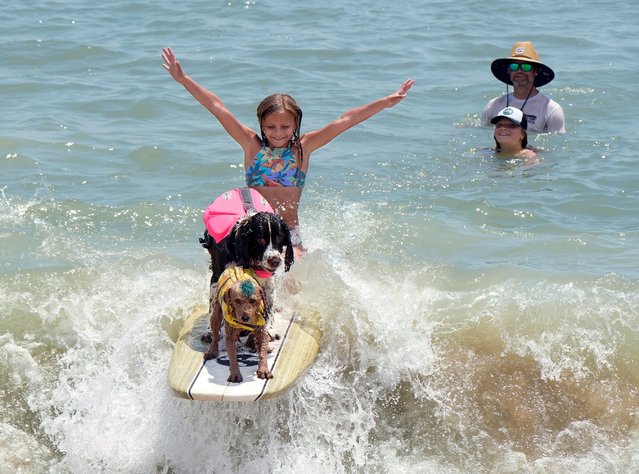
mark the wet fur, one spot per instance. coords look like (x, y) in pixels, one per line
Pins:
(246, 308)
(261, 241)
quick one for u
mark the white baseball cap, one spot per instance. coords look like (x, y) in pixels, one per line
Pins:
(513, 114)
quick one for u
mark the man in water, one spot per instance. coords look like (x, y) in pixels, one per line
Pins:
(523, 70)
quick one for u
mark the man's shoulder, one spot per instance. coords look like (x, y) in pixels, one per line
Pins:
(494, 105)
(498, 101)
(546, 102)
(553, 104)
(541, 97)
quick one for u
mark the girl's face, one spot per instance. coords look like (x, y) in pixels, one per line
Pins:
(507, 132)
(278, 128)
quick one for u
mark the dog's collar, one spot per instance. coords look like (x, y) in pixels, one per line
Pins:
(230, 276)
(261, 273)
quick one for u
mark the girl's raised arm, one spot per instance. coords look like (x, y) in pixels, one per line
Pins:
(318, 138)
(238, 131)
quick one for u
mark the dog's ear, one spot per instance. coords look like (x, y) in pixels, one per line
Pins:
(207, 241)
(226, 297)
(239, 246)
(289, 257)
(230, 244)
(261, 293)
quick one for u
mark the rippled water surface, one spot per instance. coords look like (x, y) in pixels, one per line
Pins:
(477, 315)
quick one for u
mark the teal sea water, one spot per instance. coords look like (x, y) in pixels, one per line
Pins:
(478, 315)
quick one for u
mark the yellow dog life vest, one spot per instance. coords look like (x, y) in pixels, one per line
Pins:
(249, 278)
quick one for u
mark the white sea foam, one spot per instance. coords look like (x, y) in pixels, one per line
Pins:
(477, 316)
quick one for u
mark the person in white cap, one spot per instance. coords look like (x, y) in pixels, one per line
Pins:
(523, 70)
(511, 138)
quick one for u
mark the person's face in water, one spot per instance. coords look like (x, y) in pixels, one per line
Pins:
(508, 134)
(278, 128)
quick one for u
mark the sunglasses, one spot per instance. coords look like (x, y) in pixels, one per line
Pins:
(524, 67)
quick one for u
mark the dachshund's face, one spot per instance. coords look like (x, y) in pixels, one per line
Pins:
(246, 298)
(263, 241)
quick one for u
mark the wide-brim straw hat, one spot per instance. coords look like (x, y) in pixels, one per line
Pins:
(522, 51)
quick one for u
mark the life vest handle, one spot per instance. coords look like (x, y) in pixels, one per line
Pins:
(247, 200)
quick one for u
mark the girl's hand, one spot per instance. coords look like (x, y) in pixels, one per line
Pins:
(401, 93)
(172, 65)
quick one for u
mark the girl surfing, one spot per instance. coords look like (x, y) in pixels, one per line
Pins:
(276, 159)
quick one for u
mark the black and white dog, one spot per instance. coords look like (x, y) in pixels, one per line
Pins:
(262, 242)
(259, 241)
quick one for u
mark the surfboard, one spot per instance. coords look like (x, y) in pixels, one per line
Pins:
(292, 355)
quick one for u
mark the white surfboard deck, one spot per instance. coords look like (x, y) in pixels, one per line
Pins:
(291, 356)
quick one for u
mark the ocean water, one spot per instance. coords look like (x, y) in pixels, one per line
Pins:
(477, 315)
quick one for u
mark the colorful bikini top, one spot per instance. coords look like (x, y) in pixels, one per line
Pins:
(274, 167)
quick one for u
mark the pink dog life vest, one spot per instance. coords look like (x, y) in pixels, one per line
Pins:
(228, 208)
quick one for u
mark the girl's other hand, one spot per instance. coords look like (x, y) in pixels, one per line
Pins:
(401, 93)
(172, 65)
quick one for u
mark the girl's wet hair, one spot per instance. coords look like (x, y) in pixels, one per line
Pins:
(282, 103)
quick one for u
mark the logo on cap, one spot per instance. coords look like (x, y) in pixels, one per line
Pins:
(508, 111)
(520, 50)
